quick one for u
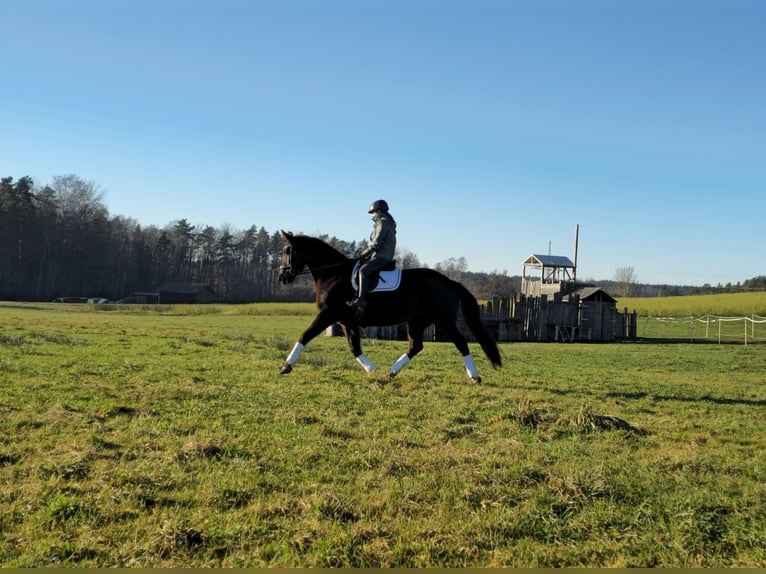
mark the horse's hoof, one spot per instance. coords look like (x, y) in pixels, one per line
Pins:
(286, 368)
(391, 375)
(476, 380)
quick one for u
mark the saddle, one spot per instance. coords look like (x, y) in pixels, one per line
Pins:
(387, 279)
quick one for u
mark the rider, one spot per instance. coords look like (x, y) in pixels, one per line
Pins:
(378, 254)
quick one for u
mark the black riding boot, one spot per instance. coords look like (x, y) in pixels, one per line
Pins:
(359, 304)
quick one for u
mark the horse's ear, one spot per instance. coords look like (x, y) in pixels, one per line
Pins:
(287, 235)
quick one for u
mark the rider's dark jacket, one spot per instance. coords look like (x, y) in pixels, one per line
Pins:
(383, 238)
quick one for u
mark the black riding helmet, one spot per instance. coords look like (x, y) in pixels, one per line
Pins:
(379, 205)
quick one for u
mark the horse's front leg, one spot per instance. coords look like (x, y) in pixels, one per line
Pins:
(319, 324)
(355, 344)
(415, 336)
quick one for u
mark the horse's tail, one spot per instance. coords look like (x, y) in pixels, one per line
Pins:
(472, 315)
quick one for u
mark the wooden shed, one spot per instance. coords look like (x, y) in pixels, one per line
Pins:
(597, 317)
(172, 292)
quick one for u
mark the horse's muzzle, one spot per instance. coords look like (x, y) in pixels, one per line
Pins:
(286, 275)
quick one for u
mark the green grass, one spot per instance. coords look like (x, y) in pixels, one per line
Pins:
(725, 317)
(166, 438)
(723, 305)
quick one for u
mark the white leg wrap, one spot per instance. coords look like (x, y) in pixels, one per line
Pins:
(292, 358)
(399, 364)
(470, 367)
(366, 363)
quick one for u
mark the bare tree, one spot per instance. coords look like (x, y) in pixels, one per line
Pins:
(626, 280)
(454, 267)
(406, 259)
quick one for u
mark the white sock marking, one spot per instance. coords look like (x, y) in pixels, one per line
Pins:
(292, 358)
(399, 364)
(470, 367)
(368, 365)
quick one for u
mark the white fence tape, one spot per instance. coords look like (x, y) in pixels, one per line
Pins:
(711, 327)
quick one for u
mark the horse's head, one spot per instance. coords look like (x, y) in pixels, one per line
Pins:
(292, 264)
(304, 254)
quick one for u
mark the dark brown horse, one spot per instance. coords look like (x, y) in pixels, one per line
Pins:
(424, 297)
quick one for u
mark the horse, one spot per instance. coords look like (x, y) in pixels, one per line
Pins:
(424, 297)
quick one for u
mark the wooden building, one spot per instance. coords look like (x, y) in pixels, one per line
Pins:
(172, 292)
(597, 314)
(571, 311)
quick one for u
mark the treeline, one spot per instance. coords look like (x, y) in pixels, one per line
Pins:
(60, 241)
(618, 289)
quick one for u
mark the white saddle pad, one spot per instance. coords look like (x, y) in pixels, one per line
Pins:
(389, 280)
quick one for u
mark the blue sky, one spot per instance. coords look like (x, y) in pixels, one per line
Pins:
(492, 128)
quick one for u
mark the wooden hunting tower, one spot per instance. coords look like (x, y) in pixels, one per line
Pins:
(547, 275)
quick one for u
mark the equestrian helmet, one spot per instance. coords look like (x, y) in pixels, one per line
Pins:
(379, 205)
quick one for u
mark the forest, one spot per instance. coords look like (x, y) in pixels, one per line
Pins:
(59, 240)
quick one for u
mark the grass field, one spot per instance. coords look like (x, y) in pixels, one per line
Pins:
(164, 437)
(722, 304)
(724, 317)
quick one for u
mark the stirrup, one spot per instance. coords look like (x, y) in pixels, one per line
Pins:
(358, 304)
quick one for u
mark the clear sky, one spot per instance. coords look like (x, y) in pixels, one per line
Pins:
(492, 128)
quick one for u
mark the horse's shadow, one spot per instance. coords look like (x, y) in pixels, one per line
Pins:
(659, 397)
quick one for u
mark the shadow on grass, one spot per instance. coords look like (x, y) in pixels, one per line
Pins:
(644, 395)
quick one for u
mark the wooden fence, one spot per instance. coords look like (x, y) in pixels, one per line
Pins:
(557, 318)
(532, 319)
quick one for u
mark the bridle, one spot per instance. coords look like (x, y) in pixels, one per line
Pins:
(290, 272)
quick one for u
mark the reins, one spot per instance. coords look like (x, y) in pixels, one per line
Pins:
(289, 267)
(329, 266)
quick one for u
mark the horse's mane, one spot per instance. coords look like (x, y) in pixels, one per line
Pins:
(319, 247)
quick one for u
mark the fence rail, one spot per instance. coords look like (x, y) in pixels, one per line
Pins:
(749, 329)
(532, 319)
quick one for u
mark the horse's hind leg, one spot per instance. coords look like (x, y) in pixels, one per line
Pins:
(415, 337)
(354, 343)
(462, 345)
